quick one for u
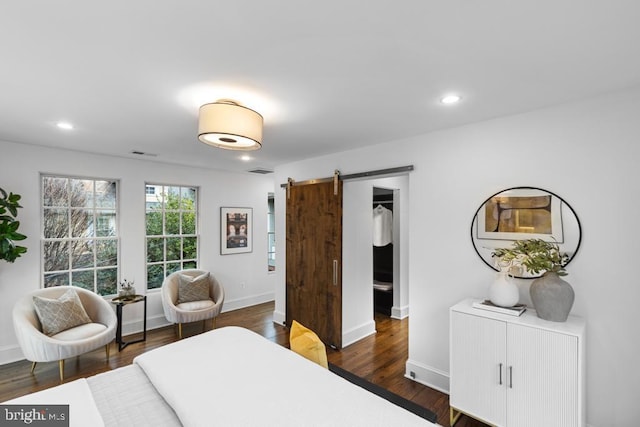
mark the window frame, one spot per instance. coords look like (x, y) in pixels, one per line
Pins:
(160, 192)
(94, 239)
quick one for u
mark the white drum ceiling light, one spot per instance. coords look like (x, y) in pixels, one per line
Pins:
(229, 125)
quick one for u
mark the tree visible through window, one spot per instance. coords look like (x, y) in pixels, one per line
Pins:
(171, 229)
(80, 233)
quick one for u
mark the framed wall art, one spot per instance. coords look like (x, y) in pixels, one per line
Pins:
(236, 230)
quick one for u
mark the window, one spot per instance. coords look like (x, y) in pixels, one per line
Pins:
(80, 233)
(271, 233)
(172, 234)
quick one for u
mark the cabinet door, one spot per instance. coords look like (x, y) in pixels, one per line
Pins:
(542, 378)
(478, 349)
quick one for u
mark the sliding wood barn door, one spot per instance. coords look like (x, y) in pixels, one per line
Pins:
(314, 259)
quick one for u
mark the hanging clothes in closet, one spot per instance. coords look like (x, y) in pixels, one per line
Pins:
(382, 226)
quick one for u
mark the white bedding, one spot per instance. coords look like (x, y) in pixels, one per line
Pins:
(77, 394)
(228, 377)
(126, 397)
(234, 377)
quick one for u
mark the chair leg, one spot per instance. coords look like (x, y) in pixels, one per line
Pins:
(106, 348)
(33, 366)
(61, 368)
(213, 323)
(180, 330)
(204, 325)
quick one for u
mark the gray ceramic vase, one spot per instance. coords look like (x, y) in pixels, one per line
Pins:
(552, 297)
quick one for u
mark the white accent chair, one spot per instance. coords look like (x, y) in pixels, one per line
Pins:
(38, 347)
(194, 311)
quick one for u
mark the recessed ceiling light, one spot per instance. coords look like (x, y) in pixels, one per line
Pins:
(450, 99)
(245, 158)
(64, 125)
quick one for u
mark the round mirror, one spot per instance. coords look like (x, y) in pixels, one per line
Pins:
(521, 213)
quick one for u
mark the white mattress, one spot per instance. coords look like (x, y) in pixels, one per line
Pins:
(234, 377)
(228, 377)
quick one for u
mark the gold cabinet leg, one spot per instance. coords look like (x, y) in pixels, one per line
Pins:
(180, 330)
(33, 367)
(61, 367)
(454, 415)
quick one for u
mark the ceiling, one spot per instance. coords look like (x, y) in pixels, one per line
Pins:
(327, 76)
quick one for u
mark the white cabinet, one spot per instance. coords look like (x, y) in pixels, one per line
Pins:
(516, 371)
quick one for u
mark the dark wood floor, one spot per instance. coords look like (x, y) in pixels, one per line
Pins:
(379, 358)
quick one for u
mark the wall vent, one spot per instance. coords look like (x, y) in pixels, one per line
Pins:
(261, 171)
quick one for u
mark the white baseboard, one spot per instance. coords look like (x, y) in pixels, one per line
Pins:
(356, 334)
(13, 353)
(153, 322)
(247, 302)
(348, 337)
(279, 317)
(427, 375)
(159, 321)
(10, 354)
(399, 312)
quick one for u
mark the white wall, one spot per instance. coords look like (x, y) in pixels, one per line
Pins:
(585, 152)
(357, 262)
(20, 168)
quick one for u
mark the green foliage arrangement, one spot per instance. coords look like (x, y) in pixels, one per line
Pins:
(535, 255)
(9, 224)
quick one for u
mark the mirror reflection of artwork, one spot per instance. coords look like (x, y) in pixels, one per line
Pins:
(518, 214)
(521, 213)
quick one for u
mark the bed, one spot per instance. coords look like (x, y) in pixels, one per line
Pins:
(229, 377)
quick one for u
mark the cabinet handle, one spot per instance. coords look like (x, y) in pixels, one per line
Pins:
(500, 377)
(510, 376)
(335, 272)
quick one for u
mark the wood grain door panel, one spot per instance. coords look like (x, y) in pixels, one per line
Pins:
(314, 259)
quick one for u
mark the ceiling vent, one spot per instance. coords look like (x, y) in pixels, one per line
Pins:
(260, 171)
(142, 153)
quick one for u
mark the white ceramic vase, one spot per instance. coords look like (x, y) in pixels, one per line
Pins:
(504, 291)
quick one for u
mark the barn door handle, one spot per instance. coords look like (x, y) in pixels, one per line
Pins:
(500, 377)
(335, 272)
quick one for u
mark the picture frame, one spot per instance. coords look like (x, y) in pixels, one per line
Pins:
(236, 230)
(536, 211)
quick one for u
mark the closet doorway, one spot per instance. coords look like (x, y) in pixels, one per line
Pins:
(358, 267)
(383, 250)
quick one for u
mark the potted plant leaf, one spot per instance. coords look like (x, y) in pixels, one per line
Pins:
(9, 225)
(552, 297)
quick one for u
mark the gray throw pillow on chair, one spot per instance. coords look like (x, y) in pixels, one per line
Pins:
(57, 315)
(193, 288)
